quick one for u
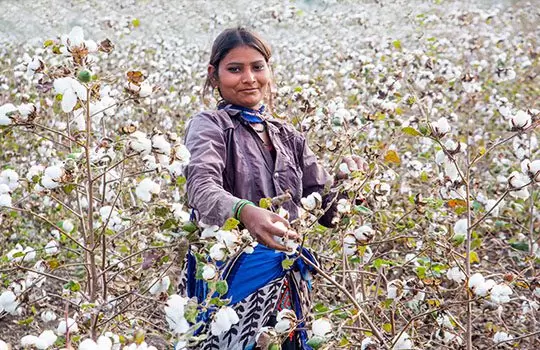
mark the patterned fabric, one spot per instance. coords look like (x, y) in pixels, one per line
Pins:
(254, 296)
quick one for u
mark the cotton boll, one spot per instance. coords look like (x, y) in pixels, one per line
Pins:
(54, 172)
(460, 228)
(455, 274)
(364, 234)
(349, 244)
(5, 200)
(138, 142)
(68, 226)
(321, 327)
(160, 286)
(10, 178)
(174, 314)
(217, 252)
(145, 89)
(209, 272)
(66, 325)
(521, 120)
(500, 337)
(451, 170)
(146, 188)
(48, 316)
(311, 202)
(8, 302)
(286, 320)
(440, 157)
(500, 294)
(224, 319)
(403, 342)
(440, 127)
(483, 289)
(51, 248)
(476, 280)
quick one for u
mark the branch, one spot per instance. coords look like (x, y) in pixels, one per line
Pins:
(53, 225)
(374, 330)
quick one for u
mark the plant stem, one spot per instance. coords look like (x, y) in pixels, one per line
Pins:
(374, 329)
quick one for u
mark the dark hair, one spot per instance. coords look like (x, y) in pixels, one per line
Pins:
(230, 39)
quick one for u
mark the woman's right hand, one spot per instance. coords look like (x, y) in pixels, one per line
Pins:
(263, 226)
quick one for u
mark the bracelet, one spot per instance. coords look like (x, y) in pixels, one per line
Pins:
(239, 206)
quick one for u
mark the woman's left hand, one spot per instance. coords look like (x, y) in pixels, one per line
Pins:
(353, 163)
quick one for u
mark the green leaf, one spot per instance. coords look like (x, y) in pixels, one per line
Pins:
(397, 44)
(189, 227)
(320, 307)
(377, 263)
(222, 287)
(169, 223)
(344, 341)
(473, 257)
(180, 180)
(423, 130)
(136, 22)
(162, 211)
(68, 188)
(218, 302)
(230, 224)
(411, 131)
(191, 312)
(72, 286)
(316, 342)
(26, 321)
(287, 264)
(387, 327)
(362, 210)
(522, 246)
(48, 43)
(387, 303)
(265, 203)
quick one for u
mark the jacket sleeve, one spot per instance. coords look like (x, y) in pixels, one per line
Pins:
(205, 140)
(316, 179)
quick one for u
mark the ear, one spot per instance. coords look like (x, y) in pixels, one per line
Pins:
(212, 74)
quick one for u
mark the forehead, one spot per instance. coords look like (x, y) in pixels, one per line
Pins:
(243, 55)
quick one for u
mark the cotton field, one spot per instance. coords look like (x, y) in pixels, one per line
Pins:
(435, 246)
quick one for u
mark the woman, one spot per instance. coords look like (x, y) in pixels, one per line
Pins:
(240, 154)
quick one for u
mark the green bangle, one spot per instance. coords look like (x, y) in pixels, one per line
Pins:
(239, 206)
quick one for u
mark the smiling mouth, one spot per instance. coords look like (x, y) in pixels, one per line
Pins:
(250, 90)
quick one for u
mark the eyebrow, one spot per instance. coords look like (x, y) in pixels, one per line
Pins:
(242, 63)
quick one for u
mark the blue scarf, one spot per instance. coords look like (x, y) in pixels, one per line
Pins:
(248, 114)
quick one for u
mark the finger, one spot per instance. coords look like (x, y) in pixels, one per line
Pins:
(289, 234)
(269, 242)
(277, 218)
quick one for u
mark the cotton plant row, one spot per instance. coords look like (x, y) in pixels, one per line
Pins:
(85, 191)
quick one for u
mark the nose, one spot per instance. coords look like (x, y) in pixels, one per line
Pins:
(249, 76)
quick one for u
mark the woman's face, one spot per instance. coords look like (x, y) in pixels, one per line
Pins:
(243, 77)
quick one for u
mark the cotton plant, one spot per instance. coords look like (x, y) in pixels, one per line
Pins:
(84, 191)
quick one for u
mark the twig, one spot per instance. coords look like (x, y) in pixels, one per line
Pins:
(374, 329)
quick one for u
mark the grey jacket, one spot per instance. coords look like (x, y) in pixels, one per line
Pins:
(229, 163)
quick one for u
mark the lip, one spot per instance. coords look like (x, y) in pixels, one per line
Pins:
(249, 90)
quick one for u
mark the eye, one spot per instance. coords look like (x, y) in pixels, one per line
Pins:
(233, 69)
(259, 67)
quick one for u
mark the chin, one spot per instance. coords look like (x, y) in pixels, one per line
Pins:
(251, 103)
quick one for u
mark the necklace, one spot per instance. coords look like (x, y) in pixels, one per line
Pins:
(259, 130)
